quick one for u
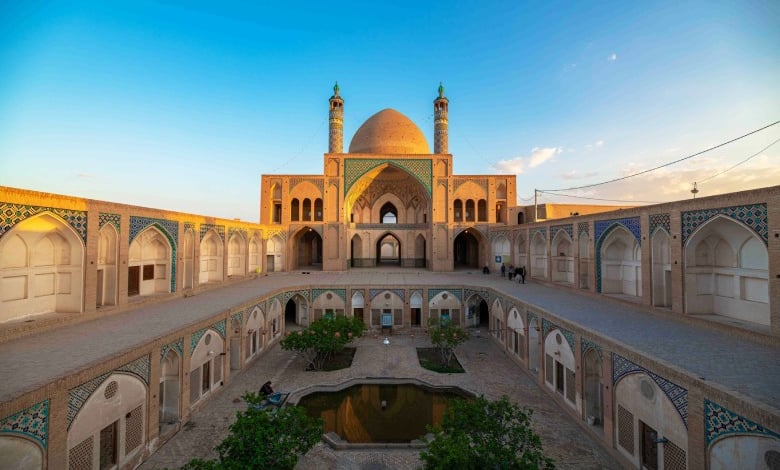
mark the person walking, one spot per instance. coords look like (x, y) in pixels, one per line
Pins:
(503, 270)
(522, 274)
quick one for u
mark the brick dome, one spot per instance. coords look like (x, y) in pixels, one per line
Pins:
(389, 132)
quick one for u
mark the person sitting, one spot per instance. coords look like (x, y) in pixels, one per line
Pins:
(266, 389)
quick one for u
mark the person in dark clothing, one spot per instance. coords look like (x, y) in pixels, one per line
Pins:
(517, 273)
(266, 389)
(503, 270)
(522, 274)
(485, 270)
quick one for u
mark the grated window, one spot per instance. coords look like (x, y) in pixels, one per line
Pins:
(80, 456)
(674, 457)
(111, 390)
(626, 429)
(134, 429)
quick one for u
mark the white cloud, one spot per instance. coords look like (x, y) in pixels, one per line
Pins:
(599, 143)
(573, 175)
(612, 57)
(517, 165)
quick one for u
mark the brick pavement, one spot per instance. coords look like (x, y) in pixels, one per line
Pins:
(562, 437)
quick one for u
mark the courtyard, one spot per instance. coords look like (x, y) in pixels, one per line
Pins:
(562, 438)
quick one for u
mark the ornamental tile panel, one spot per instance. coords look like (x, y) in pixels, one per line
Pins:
(32, 422)
(720, 421)
(355, 168)
(177, 345)
(220, 229)
(195, 338)
(541, 230)
(318, 292)
(582, 227)
(660, 220)
(107, 218)
(239, 316)
(622, 367)
(305, 293)
(374, 292)
(12, 214)
(586, 345)
(467, 293)
(566, 228)
(139, 367)
(456, 291)
(317, 182)
(548, 326)
(220, 327)
(189, 226)
(754, 216)
(238, 230)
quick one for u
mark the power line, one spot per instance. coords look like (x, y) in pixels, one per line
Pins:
(598, 198)
(740, 163)
(670, 163)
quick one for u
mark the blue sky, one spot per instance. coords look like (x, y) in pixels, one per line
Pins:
(183, 105)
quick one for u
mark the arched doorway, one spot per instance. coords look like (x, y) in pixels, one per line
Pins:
(593, 388)
(501, 252)
(107, 266)
(356, 252)
(562, 259)
(388, 250)
(308, 249)
(466, 250)
(149, 264)
(211, 257)
(296, 311)
(170, 389)
(236, 255)
(538, 256)
(419, 252)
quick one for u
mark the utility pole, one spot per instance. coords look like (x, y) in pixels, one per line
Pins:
(536, 205)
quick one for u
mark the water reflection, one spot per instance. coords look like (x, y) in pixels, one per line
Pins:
(379, 413)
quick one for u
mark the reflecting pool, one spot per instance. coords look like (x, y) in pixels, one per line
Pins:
(388, 413)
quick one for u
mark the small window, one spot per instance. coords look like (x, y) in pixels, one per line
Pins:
(148, 272)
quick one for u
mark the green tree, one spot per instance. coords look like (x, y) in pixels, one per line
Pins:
(264, 439)
(445, 338)
(323, 338)
(484, 434)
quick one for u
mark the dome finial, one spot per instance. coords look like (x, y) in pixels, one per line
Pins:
(441, 90)
(336, 89)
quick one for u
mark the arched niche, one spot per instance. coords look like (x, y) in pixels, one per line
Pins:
(274, 254)
(170, 388)
(206, 365)
(621, 270)
(107, 273)
(236, 255)
(254, 339)
(585, 255)
(538, 255)
(20, 453)
(387, 307)
(307, 249)
(661, 257)
(255, 254)
(559, 367)
(41, 268)
(358, 305)
(643, 415)
(593, 387)
(211, 257)
(328, 303)
(498, 320)
(521, 251)
(501, 250)
(444, 308)
(516, 332)
(727, 271)
(744, 451)
(275, 320)
(416, 309)
(468, 248)
(562, 258)
(149, 263)
(296, 311)
(110, 426)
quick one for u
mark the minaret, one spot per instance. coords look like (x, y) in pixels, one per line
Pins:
(440, 123)
(336, 122)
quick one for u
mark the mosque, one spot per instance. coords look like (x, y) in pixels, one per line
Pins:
(70, 267)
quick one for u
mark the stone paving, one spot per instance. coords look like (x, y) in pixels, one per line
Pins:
(562, 437)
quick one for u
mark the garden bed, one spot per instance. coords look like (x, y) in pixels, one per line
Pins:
(430, 359)
(339, 360)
